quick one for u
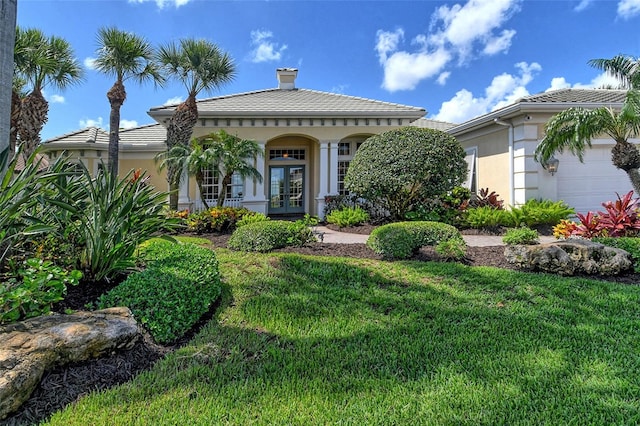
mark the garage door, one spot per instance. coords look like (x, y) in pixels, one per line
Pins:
(585, 186)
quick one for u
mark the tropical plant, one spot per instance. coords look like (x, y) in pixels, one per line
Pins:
(125, 56)
(228, 155)
(109, 217)
(486, 198)
(521, 235)
(620, 217)
(216, 219)
(252, 217)
(401, 168)
(42, 62)
(573, 130)
(486, 217)
(564, 229)
(348, 216)
(200, 66)
(625, 68)
(588, 226)
(539, 212)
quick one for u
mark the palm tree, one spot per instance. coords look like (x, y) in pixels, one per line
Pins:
(232, 155)
(200, 66)
(45, 62)
(123, 55)
(8, 11)
(624, 68)
(574, 128)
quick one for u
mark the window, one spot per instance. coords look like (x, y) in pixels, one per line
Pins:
(236, 188)
(286, 154)
(210, 185)
(343, 166)
(344, 148)
(470, 183)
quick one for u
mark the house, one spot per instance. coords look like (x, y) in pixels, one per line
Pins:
(500, 149)
(308, 136)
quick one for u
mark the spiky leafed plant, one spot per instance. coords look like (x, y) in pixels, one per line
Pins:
(123, 55)
(231, 154)
(623, 67)
(201, 66)
(574, 129)
(46, 61)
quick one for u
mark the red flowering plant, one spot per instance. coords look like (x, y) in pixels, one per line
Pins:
(588, 226)
(621, 216)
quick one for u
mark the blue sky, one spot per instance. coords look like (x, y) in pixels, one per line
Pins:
(457, 60)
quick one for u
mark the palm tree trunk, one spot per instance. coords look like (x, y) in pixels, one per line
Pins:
(182, 123)
(33, 116)
(8, 12)
(634, 177)
(222, 194)
(173, 177)
(626, 156)
(116, 96)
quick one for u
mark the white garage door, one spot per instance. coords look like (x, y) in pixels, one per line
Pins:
(585, 186)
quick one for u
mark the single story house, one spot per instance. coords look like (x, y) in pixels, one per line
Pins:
(308, 136)
(500, 149)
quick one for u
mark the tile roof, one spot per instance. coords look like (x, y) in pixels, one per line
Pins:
(296, 102)
(432, 124)
(595, 96)
(90, 134)
(150, 133)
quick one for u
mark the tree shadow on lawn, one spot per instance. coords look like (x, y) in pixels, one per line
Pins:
(431, 343)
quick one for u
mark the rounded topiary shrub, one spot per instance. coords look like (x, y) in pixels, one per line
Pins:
(400, 168)
(401, 239)
(268, 235)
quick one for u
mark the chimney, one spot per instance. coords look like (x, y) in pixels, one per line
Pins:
(287, 78)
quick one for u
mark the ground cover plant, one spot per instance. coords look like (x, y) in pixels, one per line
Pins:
(325, 340)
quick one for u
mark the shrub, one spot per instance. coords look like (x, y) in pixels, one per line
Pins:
(486, 217)
(539, 212)
(216, 219)
(521, 236)
(448, 208)
(628, 244)
(401, 239)
(33, 289)
(348, 216)
(339, 202)
(401, 168)
(269, 235)
(252, 217)
(620, 217)
(564, 229)
(489, 199)
(451, 249)
(179, 285)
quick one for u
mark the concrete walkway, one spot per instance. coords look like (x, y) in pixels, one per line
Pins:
(331, 236)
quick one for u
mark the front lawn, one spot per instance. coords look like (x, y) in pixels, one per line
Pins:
(320, 340)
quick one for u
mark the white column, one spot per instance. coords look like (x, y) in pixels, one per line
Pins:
(333, 169)
(254, 198)
(184, 202)
(324, 178)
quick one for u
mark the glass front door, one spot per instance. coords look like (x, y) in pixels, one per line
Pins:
(286, 189)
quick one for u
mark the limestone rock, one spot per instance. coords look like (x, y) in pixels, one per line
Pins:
(29, 348)
(570, 257)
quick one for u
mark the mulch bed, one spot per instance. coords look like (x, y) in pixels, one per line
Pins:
(65, 385)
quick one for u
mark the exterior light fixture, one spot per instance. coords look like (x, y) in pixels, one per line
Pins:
(552, 165)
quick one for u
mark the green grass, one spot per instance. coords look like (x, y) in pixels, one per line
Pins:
(311, 340)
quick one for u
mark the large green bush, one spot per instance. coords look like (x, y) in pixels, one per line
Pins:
(268, 235)
(179, 285)
(402, 239)
(401, 168)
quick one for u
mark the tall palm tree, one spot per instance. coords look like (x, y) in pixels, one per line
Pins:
(574, 128)
(8, 11)
(47, 61)
(123, 55)
(232, 155)
(201, 66)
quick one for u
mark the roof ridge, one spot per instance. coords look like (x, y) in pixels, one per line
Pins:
(76, 132)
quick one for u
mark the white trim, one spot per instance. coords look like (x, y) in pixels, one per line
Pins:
(471, 159)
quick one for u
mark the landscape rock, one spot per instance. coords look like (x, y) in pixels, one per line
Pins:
(570, 257)
(31, 347)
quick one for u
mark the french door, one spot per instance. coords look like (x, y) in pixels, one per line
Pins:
(286, 189)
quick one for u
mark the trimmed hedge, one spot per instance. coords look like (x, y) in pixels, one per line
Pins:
(269, 235)
(400, 240)
(177, 288)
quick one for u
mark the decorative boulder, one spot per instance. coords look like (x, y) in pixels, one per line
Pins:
(570, 257)
(31, 347)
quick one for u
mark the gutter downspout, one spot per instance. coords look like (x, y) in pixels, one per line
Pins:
(512, 192)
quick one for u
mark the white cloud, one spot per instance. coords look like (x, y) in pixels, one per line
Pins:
(503, 90)
(89, 63)
(173, 101)
(628, 8)
(601, 80)
(457, 31)
(56, 99)
(340, 89)
(443, 77)
(88, 122)
(582, 5)
(264, 49)
(162, 3)
(128, 124)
